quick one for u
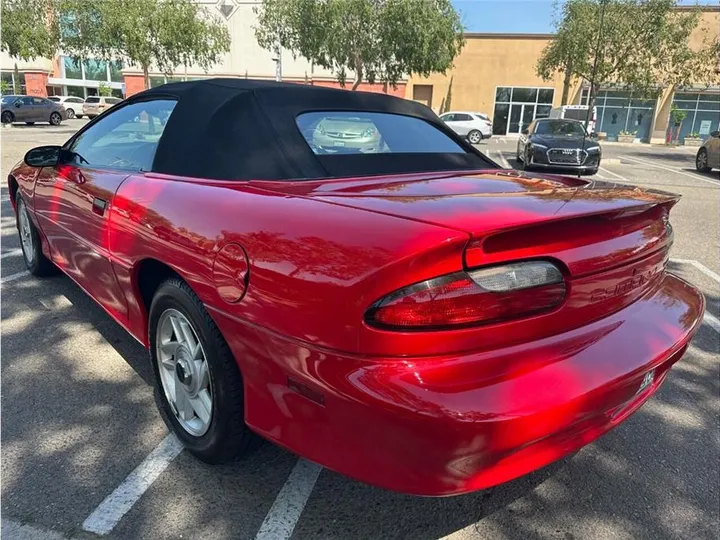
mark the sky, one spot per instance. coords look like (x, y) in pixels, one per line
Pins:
(516, 16)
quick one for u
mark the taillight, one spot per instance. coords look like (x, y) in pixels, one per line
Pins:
(480, 296)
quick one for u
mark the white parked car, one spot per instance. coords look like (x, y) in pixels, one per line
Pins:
(708, 155)
(474, 126)
(73, 104)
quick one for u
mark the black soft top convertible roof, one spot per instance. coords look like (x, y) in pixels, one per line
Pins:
(246, 129)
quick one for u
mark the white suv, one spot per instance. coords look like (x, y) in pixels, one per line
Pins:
(474, 126)
(73, 105)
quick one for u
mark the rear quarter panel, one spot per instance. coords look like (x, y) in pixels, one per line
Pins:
(314, 267)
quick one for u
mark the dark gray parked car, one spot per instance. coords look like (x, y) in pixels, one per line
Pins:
(31, 109)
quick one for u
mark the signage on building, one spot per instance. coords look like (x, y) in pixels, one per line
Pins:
(705, 127)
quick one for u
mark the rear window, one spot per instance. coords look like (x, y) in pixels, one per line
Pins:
(112, 100)
(54, 98)
(92, 99)
(351, 132)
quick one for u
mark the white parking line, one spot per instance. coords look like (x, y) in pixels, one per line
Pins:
(289, 503)
(116, 505)
(501, 158)
(712, 321)
(704, 269)
(603, 169)
(13, 277)
(11, 253)
(676, 171)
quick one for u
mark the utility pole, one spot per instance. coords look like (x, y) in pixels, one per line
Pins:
(591, 97)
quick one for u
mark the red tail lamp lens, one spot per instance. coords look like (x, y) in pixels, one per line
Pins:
(481, 296)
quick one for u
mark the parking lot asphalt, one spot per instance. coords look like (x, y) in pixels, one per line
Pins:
(78, 418)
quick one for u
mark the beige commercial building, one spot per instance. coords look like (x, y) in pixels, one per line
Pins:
(495, 75)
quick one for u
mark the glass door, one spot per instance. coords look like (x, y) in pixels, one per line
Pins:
(515, 115)
(528, 115)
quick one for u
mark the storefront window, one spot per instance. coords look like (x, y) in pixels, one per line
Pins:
(545, 95)
(156, 81)
(72, 68)
(95, 70)
(515, 108)
(525, 95)
(702, 113)
(116, 72)
(503, 94)
(77, 91)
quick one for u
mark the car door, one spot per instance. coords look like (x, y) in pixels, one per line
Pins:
(464, 123)
(24, 110)
(73, 200)
(41, 109)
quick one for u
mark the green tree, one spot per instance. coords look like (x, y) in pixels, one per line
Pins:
(376, 39)
(104, 89)
(638, 45)
(26, 31)
(447, 102)
(143, 33)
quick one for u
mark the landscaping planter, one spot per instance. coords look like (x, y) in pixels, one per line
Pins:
(626, 138)
(692, 141)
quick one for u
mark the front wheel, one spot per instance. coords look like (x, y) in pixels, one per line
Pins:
(7, 117)
(35, 260)
(475, 136)
(55, 119)
(701, 161)
(198, 385)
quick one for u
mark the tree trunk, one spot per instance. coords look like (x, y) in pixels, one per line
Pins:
(358, 74)
(146, 76)
(16, 81)
(566, 84)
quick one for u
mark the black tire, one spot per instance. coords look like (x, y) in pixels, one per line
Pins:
(227, 437)
(34, 258)
(71, 114)
(7, 117)
(91, 116)
(55, 119)
(591, 172)
(701, 161)
(524, 164)
(474, 137)
(30, 123)
(78, 116)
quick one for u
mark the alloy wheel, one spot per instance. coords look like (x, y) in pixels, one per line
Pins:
(71, 114)
(26, 236)
(184, 372)
(474, 137)
(55, 119)
(7, 117)
(701, 161)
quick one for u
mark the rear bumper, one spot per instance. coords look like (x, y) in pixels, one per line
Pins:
(444, 426)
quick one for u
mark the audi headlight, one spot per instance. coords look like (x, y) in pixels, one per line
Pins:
(538, 146)
(592, 149)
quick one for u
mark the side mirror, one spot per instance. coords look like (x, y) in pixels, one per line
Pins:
(715, 134)
(593, 135)
(43, 156)
(18, 104)
(525, 131)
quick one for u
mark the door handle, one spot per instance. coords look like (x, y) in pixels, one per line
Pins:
(99, 206)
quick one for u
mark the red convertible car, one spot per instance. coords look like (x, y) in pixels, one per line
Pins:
(340, 273)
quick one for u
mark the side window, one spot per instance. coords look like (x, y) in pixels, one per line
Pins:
(126, 138)
(39, 101)
(463, 117)
(26, 101)
(448, 117)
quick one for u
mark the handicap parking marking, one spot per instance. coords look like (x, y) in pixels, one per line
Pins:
(104, 518)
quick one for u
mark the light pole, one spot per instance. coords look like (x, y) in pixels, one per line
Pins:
(278, 62)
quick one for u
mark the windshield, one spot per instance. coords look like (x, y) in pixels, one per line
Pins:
(559, 127)
(7, 100)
